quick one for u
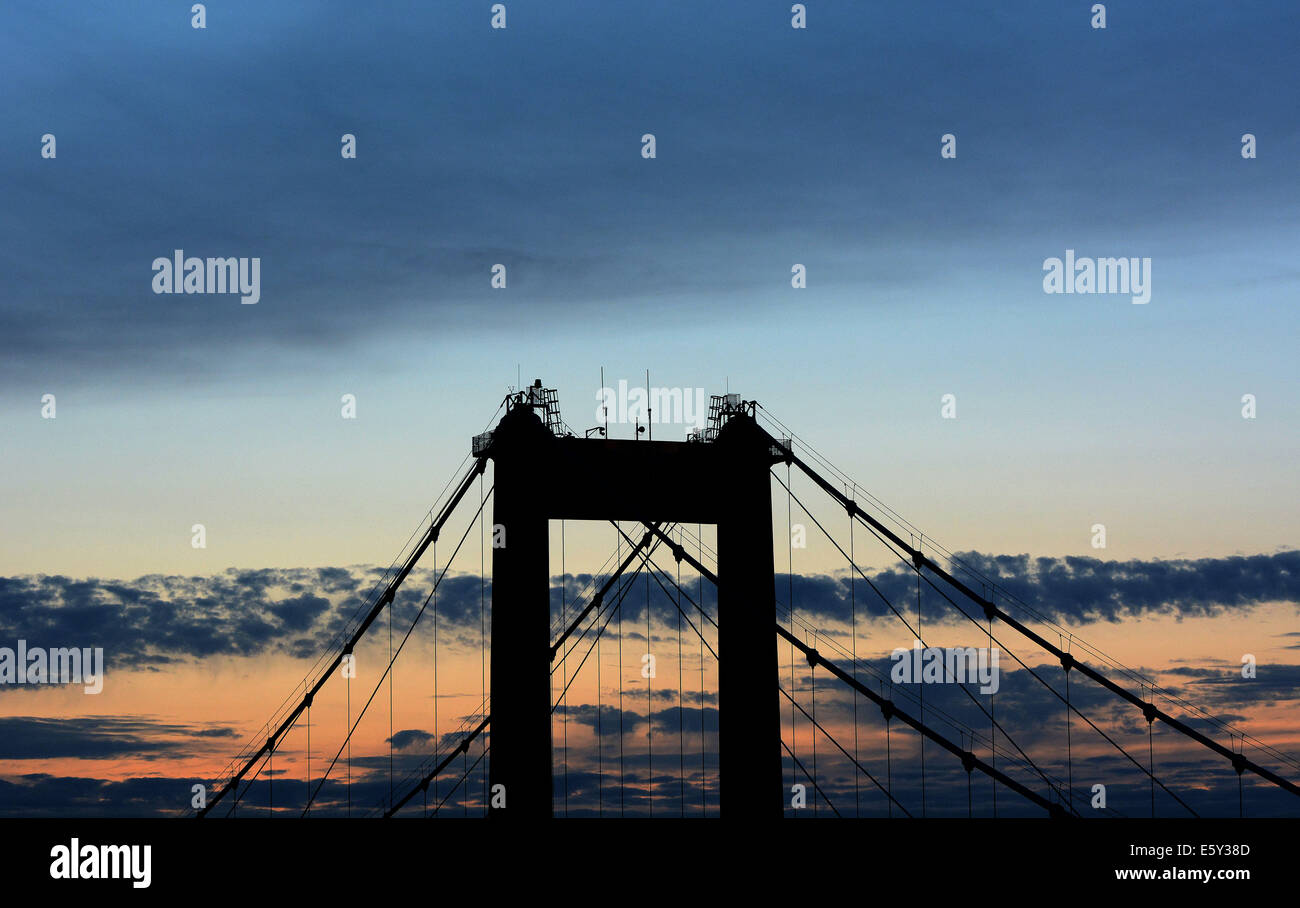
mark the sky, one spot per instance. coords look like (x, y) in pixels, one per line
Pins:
(774, 147)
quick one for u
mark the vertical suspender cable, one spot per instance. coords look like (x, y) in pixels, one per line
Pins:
(921, 686)
(889, 764)
(704, 797)
(352, 669)
(794, 732)
(681, 720)
(970, 803)
(622, 771)
(993, 725)
(789, 573)
(853, 613)
(564, 622)
(437, 734)
(391, 671)
(309, 754)
(1151, 759)
(482, 629)
(1069, 747)
(600, 739)
(1151, 767)
(812, 683)
(551, 691)
(618, 556)
(649, 707)
(1241, 796)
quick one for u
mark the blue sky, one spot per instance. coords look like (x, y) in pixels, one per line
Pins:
(775, 146)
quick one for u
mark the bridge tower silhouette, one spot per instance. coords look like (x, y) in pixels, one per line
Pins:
(720, 477)
(541, 476)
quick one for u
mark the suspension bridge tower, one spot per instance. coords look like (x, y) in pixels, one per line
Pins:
(543, 472)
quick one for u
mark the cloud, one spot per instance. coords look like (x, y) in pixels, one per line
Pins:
(1073, 589)
(155, 619)
(99, 737)
(415, 220)
(48, 795)
(410, 737)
